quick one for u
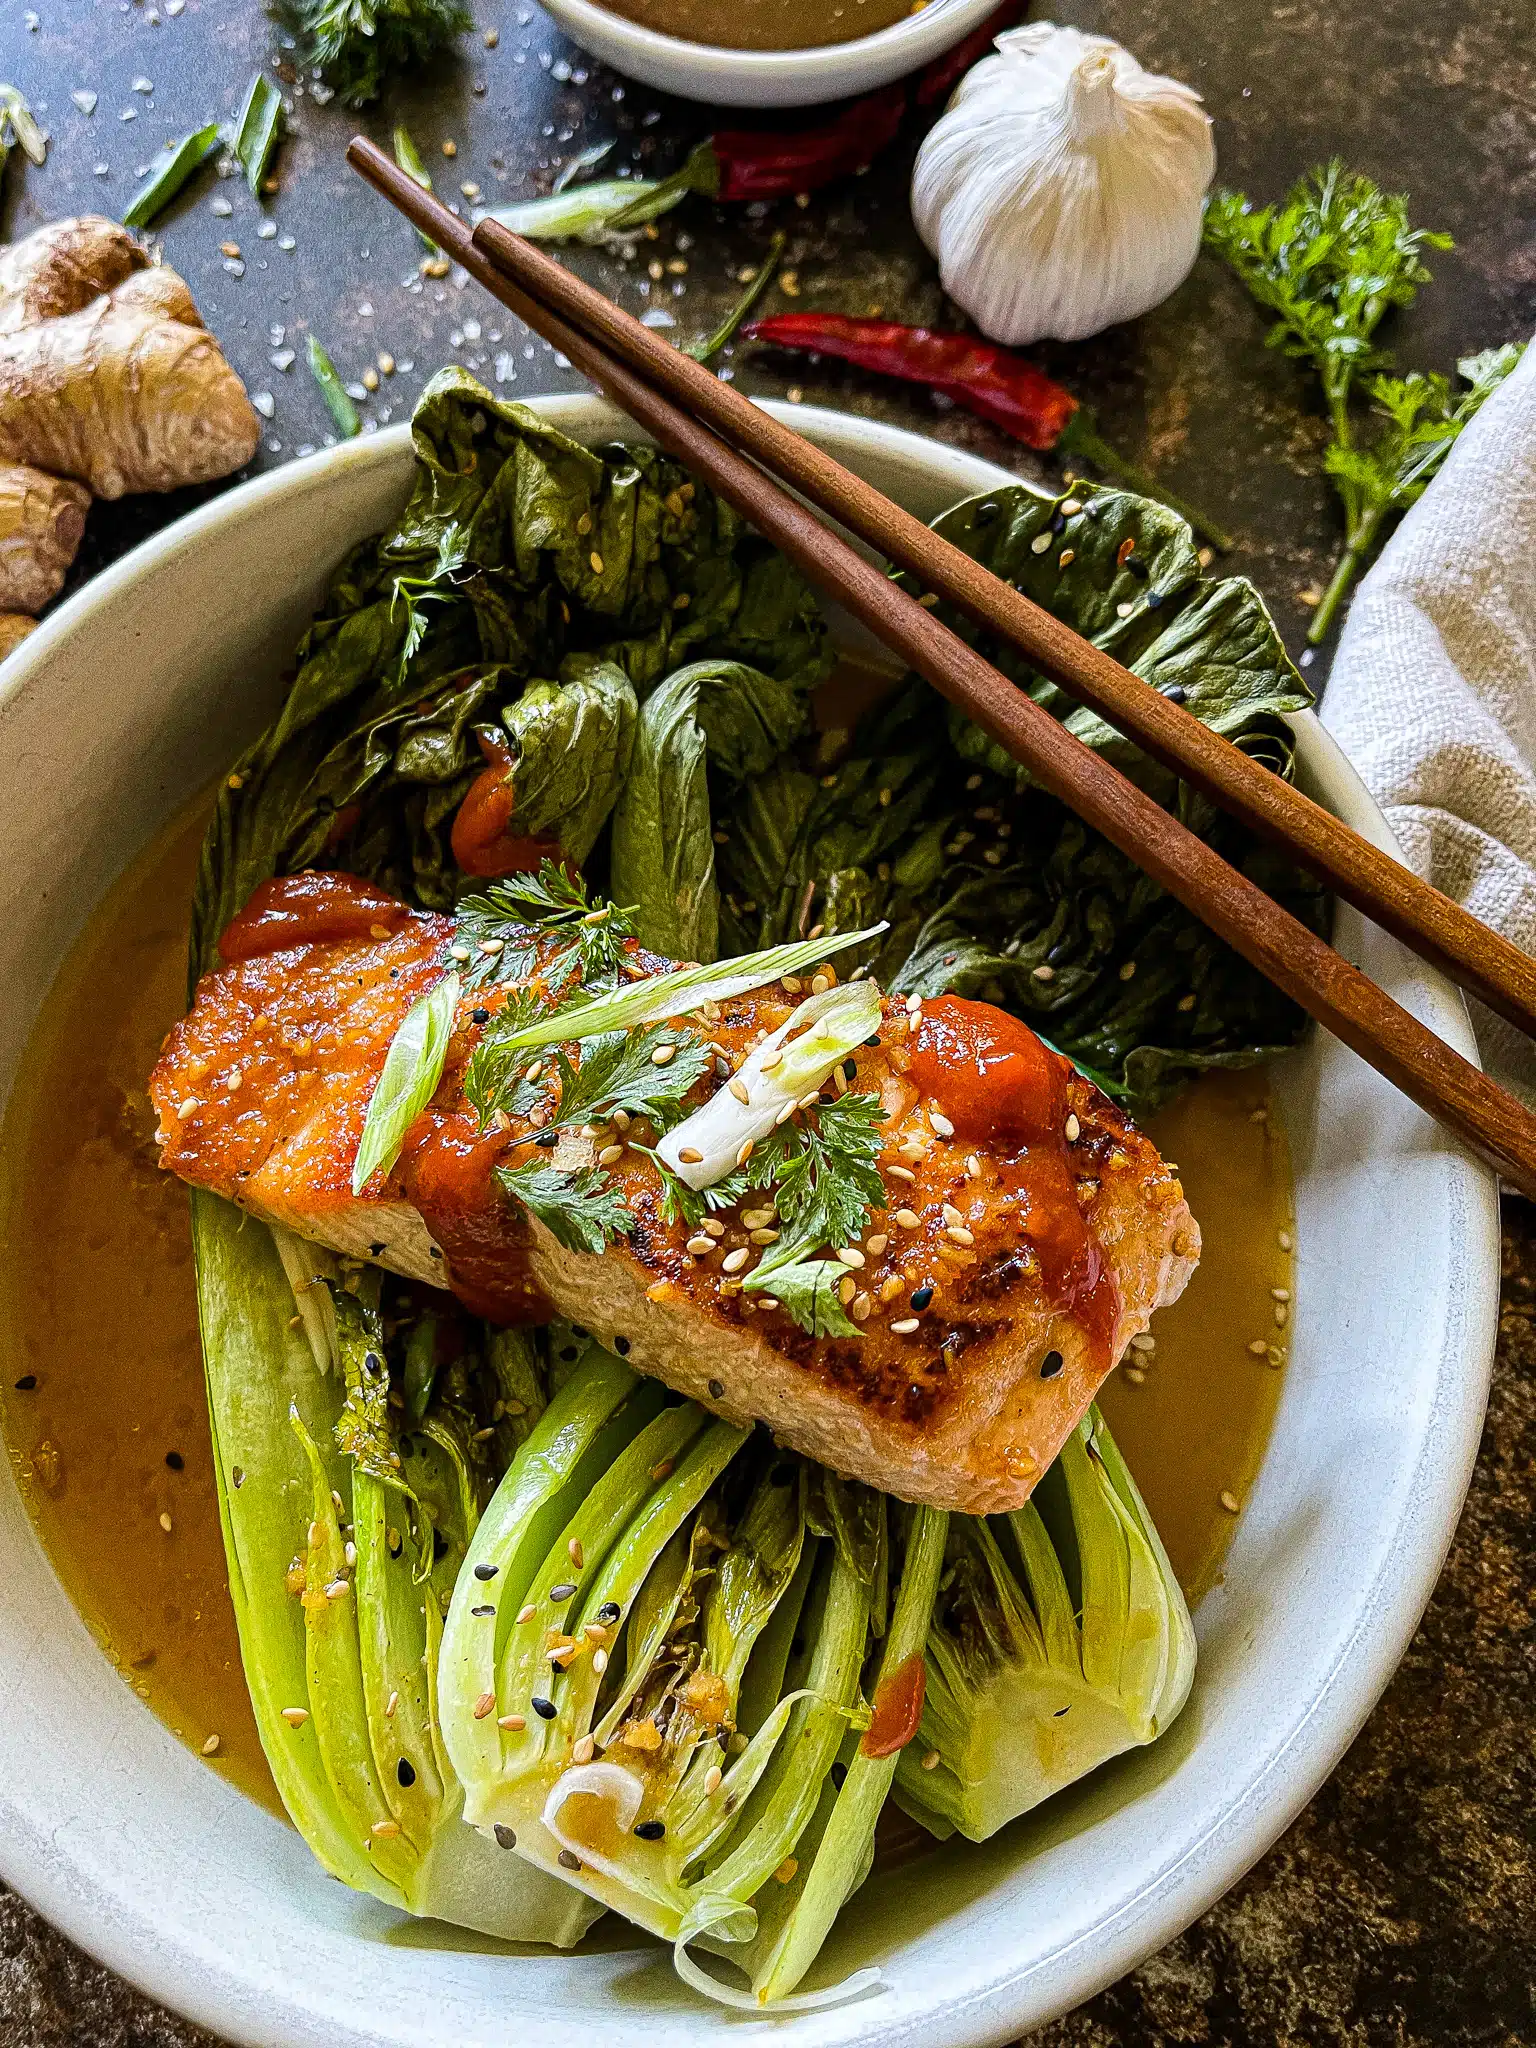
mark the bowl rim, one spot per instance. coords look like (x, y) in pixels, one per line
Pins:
(999, 1998)
(901, 46)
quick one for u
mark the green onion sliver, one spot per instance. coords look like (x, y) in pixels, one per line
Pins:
(255, 133)
(345, 414)
(169, 172)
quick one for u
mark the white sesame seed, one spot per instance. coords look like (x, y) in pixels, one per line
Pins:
(610, 1155)
(663, 1055)
(932, 1760)
(906, 1326)
(1074, 1130)
(1279, 1294)
(599, 1662)
(904, 1173)
(772, 1060)
(1287, 1242)
(690, 1156)
(515, 1723)
(734, 1261)
(908, 1220)
(582, 1750)
(914, 1004)
(527, 1613)
(763, 1236)
(745, 1153)
(1258, 1346)
(876, 1245)
(1044, 972)
(960, 1235)
(847, 1288)
(861, 1308)
(1144, 1341)
(1230, 1502)
(739, 1090)
(700, 1245)
(712, 1227)
(941, 1123)
(211, 1746)
(851, 1255)
(295, 1716)
(492, 945)
(951, 1214)
(972, 1166)
(712, 1780)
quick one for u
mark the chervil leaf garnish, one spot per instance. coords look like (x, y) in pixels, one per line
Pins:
(493, 1079)
(582, 1210)
(807, 1293)
(620, 1071)
(513, 915)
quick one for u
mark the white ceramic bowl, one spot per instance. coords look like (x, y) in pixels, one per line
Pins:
(139, 690)
(769, 78)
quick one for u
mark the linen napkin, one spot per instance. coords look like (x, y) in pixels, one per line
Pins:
(1433, 689)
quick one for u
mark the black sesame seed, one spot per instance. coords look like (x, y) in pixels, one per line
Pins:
(716, 1389)
(839, 1773)
(505, 1838)
(433, 1252)
(1176, 693)
(547, 1139)
(238, 1477)
(26, 1383)
(985, 513)
(1154, 600)
(609, 1612)
(486, 1571)
(1050, 1365)
(1059, 523)
(479, 1016)
(405, 1771)
(621, 1345)
(561, 1593)
(1059, 1712)
(921, 1296)
(375, 1248)
(569, 1860)
(875, 1041)
(176, 1461)
(651, 1830)
(1137, 567)
(545, 1709)
(372, 1363)
(850, 1069)
(481, 1612)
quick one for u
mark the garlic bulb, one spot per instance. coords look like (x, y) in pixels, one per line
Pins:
(1061, 190)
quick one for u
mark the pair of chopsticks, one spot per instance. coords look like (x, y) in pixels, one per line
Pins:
(714, 431)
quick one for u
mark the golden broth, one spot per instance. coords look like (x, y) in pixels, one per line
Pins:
(110, 1442)
(765, 24)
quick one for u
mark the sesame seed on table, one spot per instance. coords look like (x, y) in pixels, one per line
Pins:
(1398, 1909)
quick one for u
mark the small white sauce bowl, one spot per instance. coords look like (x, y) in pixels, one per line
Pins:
(769, 78)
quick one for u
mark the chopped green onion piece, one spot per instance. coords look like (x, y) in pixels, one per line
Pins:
(333, 391)
(16, 122)
(684, 989)
(408, 157)
(610, 205)
(169, 172)
(412, 1070)
(255, 133)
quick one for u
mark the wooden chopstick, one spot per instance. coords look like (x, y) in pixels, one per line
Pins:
(1307, 969)
(1482, 961)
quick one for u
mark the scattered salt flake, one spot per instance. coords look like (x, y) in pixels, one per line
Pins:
(277, 334)
(33, 21)
(286, 242)
(405, 365)
(129, 114)
(234, 265)
(142, 85)
(506, 368)
(657, 316)
(281, 359)
(101, 170)
(322, 95)
(357, 391)
(471, 330)
(221, 206)
(264, 403)
(85, 101)
(267, 230)
(365, 310)
(174, 7)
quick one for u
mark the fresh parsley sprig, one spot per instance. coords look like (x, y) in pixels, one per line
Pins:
(1331, 262)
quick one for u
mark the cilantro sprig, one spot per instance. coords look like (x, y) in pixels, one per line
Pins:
(515, 918)
(1331, 262)
(825, 1182)
(583, 1210)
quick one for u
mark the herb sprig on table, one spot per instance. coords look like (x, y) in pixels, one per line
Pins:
(1331, 262)
(356, 44)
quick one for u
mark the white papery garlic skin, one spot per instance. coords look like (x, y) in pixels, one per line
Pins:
(1061, 190)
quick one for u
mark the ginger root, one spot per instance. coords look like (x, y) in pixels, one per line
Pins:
(41, 520)
(109, 383)
(123, 401)
(62, 267)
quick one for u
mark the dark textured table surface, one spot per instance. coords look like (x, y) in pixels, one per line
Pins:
(1401, 1908)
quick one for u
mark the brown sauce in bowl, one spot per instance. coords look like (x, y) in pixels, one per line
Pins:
(764, 24)
(101, 1385)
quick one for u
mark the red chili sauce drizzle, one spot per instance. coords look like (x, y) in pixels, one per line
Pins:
(308, 909)
(445, 1169)
(482, 844)
(999, 1085)
(898, 1709)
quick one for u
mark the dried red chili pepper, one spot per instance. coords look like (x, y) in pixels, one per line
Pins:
(986, 379)
(979, 375)
(758, 165)
(946, 72)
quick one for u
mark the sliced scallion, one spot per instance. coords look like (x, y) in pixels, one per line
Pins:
(255, 134)
(332, 390)
(169, 172)
(408, 157)
(412, 1070)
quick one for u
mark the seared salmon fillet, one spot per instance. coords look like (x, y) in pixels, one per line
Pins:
(1029, 1229)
